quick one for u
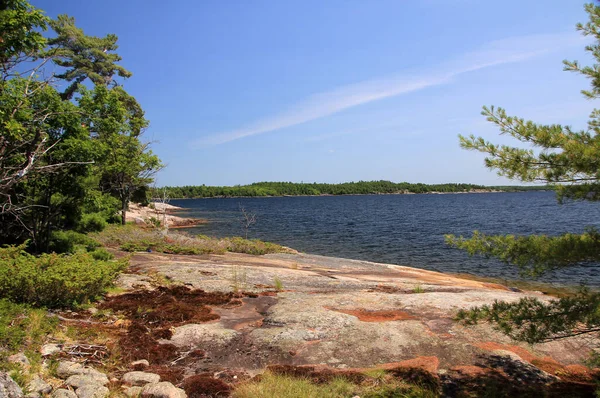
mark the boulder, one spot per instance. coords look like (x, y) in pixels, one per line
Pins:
(37, 385)
(78, 381)
(8, 387)
(19, 358)
(50, 349)
(92, 391)
(68, 368)
(142, 363)
(163, 389)
(63, 393)
(140, 378)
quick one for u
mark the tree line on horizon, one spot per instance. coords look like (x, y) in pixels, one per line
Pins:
(262, 189)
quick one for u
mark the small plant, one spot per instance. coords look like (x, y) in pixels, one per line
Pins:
(238, 279)
(418, 289)
(278, 284)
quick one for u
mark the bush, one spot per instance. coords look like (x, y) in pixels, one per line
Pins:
(94, 222)
(71, 241)
(101, 254)
(53, 280)
(254, 246)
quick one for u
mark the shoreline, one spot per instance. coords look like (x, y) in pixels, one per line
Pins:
(161, 213)
(547, 288)
(360, 194)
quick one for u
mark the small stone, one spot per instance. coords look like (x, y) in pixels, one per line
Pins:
(92, 391)
(140, 378)
(8, 387)
(78, 381)
(50, 349)
(68, 368)
(63, 393)
(19, 358)
(133, 392)
(38, 385)
(141, 363)
(164, 389)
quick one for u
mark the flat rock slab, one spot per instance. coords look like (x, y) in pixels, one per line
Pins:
(346, 314)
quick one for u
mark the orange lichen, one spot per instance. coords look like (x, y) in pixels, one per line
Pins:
(376, 315)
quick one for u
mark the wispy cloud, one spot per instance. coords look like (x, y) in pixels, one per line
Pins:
(319, 105)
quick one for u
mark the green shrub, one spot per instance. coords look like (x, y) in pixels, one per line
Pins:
(101, 254)
(71, 241)
(53, 280)
(94, 222)
(254, 246)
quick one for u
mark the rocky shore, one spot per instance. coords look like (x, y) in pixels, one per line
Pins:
(200, 324)
(160, 213)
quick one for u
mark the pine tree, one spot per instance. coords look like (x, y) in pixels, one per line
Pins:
(569, 160)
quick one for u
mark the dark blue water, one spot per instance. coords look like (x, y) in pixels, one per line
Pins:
(402, 229)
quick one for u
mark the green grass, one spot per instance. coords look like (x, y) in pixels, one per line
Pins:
(132, 238)
(23, 329)
(418, 289)
(381, 386)
(278, 284)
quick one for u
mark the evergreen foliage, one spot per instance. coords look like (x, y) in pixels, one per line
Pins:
(569, 160)
(52, 280)
(66, 151)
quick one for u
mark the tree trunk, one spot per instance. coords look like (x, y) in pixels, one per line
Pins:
(123, 210)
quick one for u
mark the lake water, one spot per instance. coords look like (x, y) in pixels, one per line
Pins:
(402, 229)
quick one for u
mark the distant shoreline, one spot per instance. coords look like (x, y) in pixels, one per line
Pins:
(363, 194)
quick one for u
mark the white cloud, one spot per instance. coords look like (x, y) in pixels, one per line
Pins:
(319, 105)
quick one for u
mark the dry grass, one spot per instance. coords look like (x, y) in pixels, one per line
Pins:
(132, 238)
(275, 385)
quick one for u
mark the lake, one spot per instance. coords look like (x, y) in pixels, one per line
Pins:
(402, 229)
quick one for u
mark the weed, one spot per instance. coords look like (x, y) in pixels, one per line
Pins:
(238, 279)
(278, 284)
(418, 289)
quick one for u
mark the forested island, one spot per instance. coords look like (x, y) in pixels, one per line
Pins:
(261, 189)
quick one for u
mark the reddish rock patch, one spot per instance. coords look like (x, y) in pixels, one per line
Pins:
(429, 364)
(570, 373)
(376, 315)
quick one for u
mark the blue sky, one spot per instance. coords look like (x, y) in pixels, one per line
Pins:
(244, 91)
